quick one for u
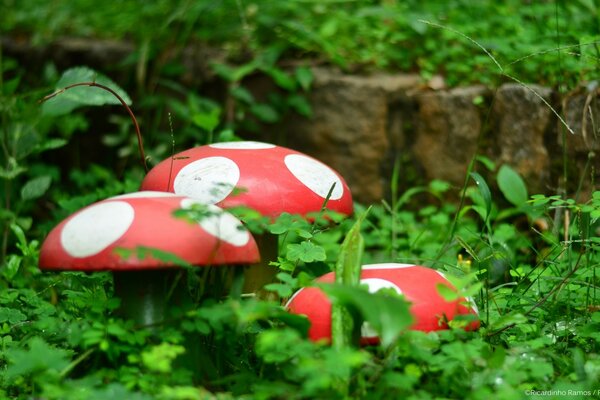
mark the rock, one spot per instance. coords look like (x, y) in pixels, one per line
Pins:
(447, 131)
(520, 121)
(582, 114)
(349, 127)
(581, 109)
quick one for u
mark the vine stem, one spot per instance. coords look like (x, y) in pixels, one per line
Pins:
(111, 91)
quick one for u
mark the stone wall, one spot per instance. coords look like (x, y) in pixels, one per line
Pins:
(362, 124)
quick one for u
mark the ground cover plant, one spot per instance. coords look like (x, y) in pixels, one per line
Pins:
(529, 260)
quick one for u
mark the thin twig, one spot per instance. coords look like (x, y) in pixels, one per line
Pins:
(111, 91)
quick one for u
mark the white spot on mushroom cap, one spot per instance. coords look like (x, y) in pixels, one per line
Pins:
(95, 228)
(221, 224)
(472, 303)
(247, 145)
(375, 284)
(315, 175)
(208, 180)
(144, 194)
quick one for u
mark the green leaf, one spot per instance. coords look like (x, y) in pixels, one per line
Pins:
(282, 79)
(448, 293)
(233, 74)
(508, 320)
(512, 186)
(305, 77)
(11, 315)
(347, 272)
(306, 252)
(67, 101)
(388, 314)
(38, 358)
(36, 187)
(299, 104)
(489, 164)
(242, 94)
(208, 120)
(265, 113)
(51, 144)
(484, 190)
(159, 358)
(12, 170)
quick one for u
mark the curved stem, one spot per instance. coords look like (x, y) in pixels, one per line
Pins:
(111, 91)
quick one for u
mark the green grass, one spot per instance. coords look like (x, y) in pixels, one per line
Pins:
(548, 42)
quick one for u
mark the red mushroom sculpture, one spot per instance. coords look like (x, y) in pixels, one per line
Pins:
(418, 284)
(272, 180)
(88, 240)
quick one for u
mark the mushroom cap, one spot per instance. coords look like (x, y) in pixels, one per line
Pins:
(271, 179)
(418, 285)
(86, 240)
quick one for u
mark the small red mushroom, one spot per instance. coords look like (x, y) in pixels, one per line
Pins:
(272, 180)
(418, 284)
(88, 240)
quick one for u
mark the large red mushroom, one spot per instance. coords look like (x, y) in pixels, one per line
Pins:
(418, 284)
(271, 179)
(89, 241)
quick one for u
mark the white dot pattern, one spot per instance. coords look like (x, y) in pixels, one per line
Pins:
(315, 175)
(387, 266)
(248, 145)
(221, 224)
(208, 180)
(144, 194)
(95, 228)
(473, 305)
(375, 284)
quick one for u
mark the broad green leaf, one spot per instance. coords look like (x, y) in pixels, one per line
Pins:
(305, 77)
(484, 190)
(306, 252)
(299, 104)
(35, 187)
(11, 315)
(242, 94)
(73, 98)
(448, 293)
(282, 78)
(159, 358)
(512, 186)
(51, 144)
(207, 120)
(388, 314)
(347, 272)
(233, 74)
(489, 164)
(265, 112)
(38, 358)
(508, 320)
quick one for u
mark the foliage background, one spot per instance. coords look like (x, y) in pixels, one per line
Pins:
(530, 261)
